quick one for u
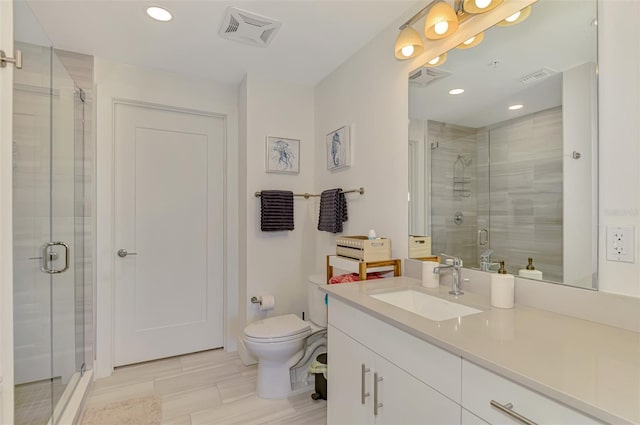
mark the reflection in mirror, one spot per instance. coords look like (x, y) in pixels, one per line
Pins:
(504, 167)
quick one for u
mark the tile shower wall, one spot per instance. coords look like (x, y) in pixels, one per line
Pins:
(514, 191)
(525, 193)
(453, 154)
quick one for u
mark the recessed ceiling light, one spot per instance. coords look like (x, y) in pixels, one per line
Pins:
(456, 91)
(159, 14)
(515, 107)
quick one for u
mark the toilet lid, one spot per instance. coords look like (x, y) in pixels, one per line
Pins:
(275, 327)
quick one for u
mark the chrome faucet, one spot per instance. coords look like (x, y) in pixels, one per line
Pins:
(456, 287)
(485, 261)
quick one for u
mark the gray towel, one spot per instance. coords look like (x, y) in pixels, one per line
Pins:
(333, 211)
(276, 207)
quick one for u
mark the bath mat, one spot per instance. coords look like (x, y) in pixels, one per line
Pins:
(134, 411)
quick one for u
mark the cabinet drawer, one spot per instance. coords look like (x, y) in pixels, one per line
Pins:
(426, 362)
(480, 386)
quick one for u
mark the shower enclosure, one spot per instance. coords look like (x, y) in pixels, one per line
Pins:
(499, 190)
(51, 253)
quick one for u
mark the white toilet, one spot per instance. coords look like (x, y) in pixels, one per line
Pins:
(286, 345)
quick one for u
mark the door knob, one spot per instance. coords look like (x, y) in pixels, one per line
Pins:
(123, 253)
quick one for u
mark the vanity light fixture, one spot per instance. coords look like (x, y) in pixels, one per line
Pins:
(480, 6)
(441, 21)
(516, 18)
(472, 42)
(515, 107)
(455, 92)
(409, 44)
(437, 61)
(159, 14)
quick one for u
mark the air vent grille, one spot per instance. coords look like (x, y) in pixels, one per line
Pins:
(425, 76)
(538, 75)
(233, 25)
(248, 28)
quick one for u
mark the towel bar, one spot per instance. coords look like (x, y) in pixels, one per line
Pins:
(310, 195)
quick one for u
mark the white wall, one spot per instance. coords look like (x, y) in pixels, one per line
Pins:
(619, 92)
(579, 115)
(277, 263)
(369, 91)
(144, 85)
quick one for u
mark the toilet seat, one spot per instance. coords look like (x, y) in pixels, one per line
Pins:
(277, 329)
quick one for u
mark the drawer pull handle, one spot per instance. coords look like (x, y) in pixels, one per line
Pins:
(362, 393)
(376, 405)
(508, 409)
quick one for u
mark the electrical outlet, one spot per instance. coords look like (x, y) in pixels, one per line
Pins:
(621, 244)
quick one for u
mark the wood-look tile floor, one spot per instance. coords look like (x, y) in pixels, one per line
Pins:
(206, 388)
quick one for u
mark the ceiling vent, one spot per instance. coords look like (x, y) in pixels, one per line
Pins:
(249, 28)
(540, 74)
(425, 76)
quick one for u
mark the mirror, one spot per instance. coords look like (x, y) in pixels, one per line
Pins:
(488, 182)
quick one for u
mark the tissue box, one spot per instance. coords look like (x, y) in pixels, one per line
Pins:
(361, 248)
(419, 246)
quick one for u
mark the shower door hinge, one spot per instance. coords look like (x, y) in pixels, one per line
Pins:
(4, 59)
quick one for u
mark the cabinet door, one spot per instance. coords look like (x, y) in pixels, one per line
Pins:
(344, 380)
(405, 400)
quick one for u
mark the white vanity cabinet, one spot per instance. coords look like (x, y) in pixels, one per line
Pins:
(370, 361)
(480, 386)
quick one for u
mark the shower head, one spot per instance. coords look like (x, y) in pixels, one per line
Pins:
(466, 161)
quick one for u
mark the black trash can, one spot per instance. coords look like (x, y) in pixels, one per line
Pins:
(319, 369)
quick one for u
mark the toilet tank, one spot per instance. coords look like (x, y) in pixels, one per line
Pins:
(317, 306)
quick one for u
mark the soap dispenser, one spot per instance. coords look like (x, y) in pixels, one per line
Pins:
(530, 272)
(502, 288)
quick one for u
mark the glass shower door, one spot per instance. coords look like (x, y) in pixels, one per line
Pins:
(48, 274)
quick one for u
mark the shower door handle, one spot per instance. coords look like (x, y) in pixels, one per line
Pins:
(46, 258)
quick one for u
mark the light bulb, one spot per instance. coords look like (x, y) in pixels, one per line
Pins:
(441, 27)
(434, 60)
(469, 41)
(481, 4)
(456, 91)
(159, 14)
(515, 107)
(407, 50)
(513, 17)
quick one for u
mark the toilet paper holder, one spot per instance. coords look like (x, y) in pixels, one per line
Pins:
(255, 300)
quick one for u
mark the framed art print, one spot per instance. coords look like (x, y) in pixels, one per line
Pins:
(338, 148)
(283, 155)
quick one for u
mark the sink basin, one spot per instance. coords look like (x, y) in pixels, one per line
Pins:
(432, 308)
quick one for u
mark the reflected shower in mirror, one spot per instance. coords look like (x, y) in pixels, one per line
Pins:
(503, 147)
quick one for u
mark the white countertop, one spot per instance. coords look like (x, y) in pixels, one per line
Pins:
(586, 365)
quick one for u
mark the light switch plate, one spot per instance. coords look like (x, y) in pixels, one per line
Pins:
(621, 244)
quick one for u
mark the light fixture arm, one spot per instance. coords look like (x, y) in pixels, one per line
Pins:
(457, 6)
(421, 13)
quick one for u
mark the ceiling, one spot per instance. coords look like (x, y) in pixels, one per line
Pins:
(558, 35)
(315, 38)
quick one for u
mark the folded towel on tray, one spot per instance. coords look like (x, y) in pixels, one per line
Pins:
(353, 277)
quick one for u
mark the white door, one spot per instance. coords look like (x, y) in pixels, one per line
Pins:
(169, 178)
